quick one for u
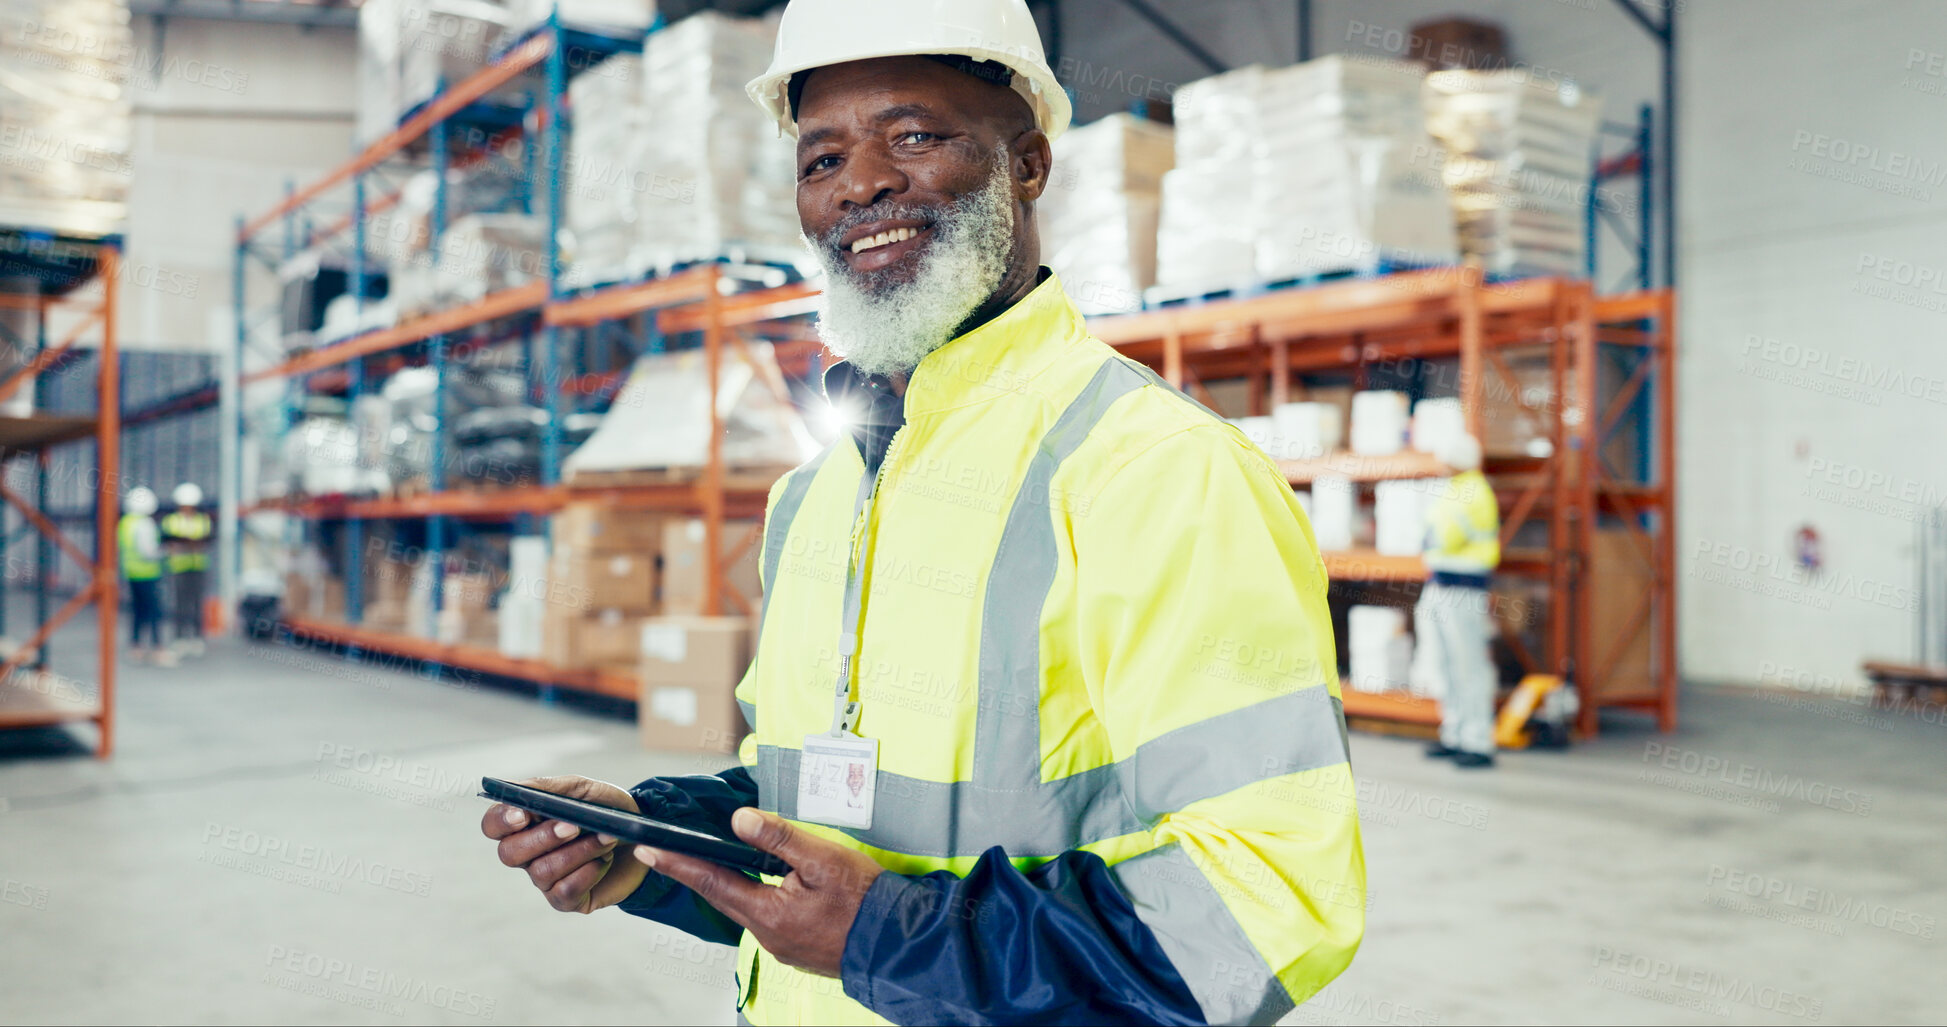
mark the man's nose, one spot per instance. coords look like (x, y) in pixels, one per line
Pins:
(870, 175)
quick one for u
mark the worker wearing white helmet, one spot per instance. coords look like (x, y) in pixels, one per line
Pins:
(140, 543)
(186, 535)
(1082, 757)
(1452, 627)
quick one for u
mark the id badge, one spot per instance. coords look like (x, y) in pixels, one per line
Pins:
(836, 779)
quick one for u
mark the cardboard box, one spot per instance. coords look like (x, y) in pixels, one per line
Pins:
(384, 615)
(593, 527)
(471, 592)
(585, 581)
(558, 635)
(683, 570)
(689, 672)
(609, 638)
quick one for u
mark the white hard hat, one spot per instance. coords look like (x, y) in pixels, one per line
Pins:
(820, 33)
(141, 501)
(1460, 451)
(189, 494)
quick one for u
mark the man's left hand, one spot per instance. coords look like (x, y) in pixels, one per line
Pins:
(802, 921)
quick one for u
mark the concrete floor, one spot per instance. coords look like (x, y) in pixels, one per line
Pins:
(225, 868)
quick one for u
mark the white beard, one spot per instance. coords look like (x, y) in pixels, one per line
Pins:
(887, 330)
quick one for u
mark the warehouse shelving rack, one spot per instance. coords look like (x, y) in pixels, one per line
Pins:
(702, 300)
(1551, 505)
(31, 693)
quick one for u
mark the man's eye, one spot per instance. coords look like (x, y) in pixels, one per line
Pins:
(918, 137)
(825, 163)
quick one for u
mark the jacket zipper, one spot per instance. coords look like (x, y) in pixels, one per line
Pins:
(859, 555)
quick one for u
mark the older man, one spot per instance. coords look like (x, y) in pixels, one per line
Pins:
(1044, 698)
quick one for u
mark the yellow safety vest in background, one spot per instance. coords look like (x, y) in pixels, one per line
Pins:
(194, 526)
(135, 567)
(1464, 526)
(1094, 618)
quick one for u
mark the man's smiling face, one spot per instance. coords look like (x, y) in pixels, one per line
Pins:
(887, 146)
(916, 184)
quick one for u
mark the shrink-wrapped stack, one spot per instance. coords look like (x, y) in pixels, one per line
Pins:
(623, 14)
(1099, 213)
(1379, 649)
(410, 49)
(64, 115)
(1518, 161)
(485, 253)
(1315, 168)
(1342, 165)
(718, 178)
(605, 179)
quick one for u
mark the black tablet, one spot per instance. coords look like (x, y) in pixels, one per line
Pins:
(634, 827)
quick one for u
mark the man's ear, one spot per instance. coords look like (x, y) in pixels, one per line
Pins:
(1031, 160)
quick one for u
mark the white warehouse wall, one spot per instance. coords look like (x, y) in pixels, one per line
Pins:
(226, 113)
(1813, 318)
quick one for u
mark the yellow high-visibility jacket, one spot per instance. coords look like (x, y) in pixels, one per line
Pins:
(1463, 527)
(190, 526)
(1095, 636)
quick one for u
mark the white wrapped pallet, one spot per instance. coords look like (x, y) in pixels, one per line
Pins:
(1518, 159)
(64, 112)
(1098, 216)
(1379, 650)
(1334, 509)
(408, 48)
(1379, 422)
(486, 253)
(1302, 170)
(1311, 430)
(720, 180)
(1437, 422)
(604, 181)
(1399, 515)
(620, 14)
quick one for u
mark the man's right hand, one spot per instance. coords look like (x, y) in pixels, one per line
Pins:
(577, 871)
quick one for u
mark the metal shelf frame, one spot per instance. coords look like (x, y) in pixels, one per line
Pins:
(31, 693)
(1352, 325)
(700, 302)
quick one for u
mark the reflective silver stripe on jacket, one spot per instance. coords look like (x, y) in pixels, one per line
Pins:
(1223, 970)
(777, 531)
(1007, 803)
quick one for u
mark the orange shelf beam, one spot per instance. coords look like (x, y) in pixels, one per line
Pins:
(1398, 706)
(443, 106)
(1372, 565)
(504, 303)
(620, 301)
(1391, 467)
(470, 657)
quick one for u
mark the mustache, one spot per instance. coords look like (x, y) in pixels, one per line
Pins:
(931, 213)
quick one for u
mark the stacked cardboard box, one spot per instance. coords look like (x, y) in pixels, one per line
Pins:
(685, 574)
(1099, 213)
(1518, 159)
(601, 583)
(389, 594)
(689, 672)
(466, 616)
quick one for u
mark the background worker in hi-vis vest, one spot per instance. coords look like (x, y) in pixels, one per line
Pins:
(140, 544)
(1044, 699)
(186, 538)
(1452, 625)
